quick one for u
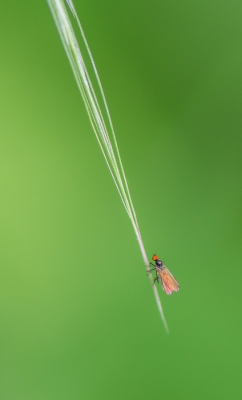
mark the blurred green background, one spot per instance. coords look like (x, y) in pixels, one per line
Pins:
(78, 315)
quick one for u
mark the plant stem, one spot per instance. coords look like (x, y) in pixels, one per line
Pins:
(107, 142)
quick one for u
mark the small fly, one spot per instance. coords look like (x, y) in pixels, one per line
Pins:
(168, 282)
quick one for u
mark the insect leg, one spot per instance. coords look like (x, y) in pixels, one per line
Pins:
(151, 270)
(156, 278)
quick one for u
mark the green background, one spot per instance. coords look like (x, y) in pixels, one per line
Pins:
(78, 319)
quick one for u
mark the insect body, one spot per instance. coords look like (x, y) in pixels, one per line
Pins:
(168, 282)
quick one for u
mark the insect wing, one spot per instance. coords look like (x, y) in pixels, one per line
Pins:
(169, 283)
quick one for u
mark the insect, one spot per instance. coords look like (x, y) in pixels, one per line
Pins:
(168, 282)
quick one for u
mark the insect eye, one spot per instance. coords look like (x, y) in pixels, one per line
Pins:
(155, 257)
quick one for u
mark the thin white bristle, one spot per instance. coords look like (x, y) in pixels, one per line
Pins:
(105, 135)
